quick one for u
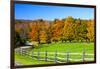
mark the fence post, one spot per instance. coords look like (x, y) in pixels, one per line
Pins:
(16, 50)
(67, 56)
(32, 54)
(46, 55)
(20, 51)
(83, 56)
(38, 55)
(55, 56)
(26, 53)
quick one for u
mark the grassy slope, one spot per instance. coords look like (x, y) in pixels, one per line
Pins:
(67, 47)
(60, 47)
(28, 61)
(64, 47)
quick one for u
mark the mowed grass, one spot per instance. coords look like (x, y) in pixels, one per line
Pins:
(25, 60)
(66, 47)
(63, 48)
(60, 48)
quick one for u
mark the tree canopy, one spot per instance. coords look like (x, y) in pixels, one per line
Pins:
(68, 29)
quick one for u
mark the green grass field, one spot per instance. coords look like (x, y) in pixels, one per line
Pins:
(25, 60)
(64, 47)
(60, 48)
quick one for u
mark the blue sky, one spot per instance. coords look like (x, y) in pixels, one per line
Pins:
(32, 12)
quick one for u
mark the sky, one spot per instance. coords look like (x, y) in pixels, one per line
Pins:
(33, 12)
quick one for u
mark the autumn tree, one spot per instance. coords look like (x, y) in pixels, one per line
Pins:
(84, 31)
(90, 29)
(57, 29)
(48, 31)
(43, 31)
(34, 34)
(68, 31)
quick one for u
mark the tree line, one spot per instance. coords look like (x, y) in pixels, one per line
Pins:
(65, 30)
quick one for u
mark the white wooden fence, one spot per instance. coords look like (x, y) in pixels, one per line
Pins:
(54, 56)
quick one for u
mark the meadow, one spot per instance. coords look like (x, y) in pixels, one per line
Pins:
(61, 49)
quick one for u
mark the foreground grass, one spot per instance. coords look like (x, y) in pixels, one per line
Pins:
(64, 48)
(59, 47)
(25, 60)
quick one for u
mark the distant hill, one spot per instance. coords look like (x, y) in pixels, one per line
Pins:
(28, 21)
(22, 20)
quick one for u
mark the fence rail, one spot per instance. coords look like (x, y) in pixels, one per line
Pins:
(56, 56)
